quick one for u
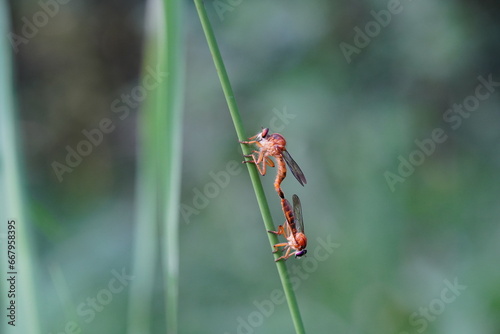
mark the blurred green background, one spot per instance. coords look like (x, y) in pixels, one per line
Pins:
(351, 95)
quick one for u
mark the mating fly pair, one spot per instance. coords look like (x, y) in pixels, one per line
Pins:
(274, 145)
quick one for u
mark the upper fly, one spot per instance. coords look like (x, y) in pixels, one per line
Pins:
(273, 145)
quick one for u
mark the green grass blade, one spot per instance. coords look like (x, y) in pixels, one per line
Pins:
(254, 175)
(170, 147)
(147, 218)
(159, 169)
(12, 201)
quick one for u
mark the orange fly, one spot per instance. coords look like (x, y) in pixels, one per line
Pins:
(273, 145)
(292, 229)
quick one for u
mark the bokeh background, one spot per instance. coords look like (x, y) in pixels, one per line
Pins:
(348, 120)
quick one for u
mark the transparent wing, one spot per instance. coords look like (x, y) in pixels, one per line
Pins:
(296, 171)
(297, 212)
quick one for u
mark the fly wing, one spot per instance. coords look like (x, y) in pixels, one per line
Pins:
(297, 212)
(296, 171)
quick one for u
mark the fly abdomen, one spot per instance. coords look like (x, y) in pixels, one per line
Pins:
(280, 176)
(287, 210)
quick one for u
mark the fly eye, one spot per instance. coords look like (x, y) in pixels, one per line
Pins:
(301, 253)
(264, 132)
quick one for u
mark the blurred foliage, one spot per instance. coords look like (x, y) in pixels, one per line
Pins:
(349, 124)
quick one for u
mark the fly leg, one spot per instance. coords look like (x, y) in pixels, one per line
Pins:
(257, 160)
(253, 160)
(261, 161)
(284, 257)
(280, 230)
(250, 141)
(276, 247)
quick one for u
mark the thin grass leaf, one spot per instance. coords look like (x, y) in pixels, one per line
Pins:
(254, 175)
(12, 201)
(170, 153)
(145, 255)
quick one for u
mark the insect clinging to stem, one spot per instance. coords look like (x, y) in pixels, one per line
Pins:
(292, 229)
(273, 145)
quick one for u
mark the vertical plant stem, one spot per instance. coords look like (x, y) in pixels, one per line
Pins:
(12, 205)
(170, 153)
(159, 168)
(254, 175)
(145, 253)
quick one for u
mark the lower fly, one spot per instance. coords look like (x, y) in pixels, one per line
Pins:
(292, 229)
